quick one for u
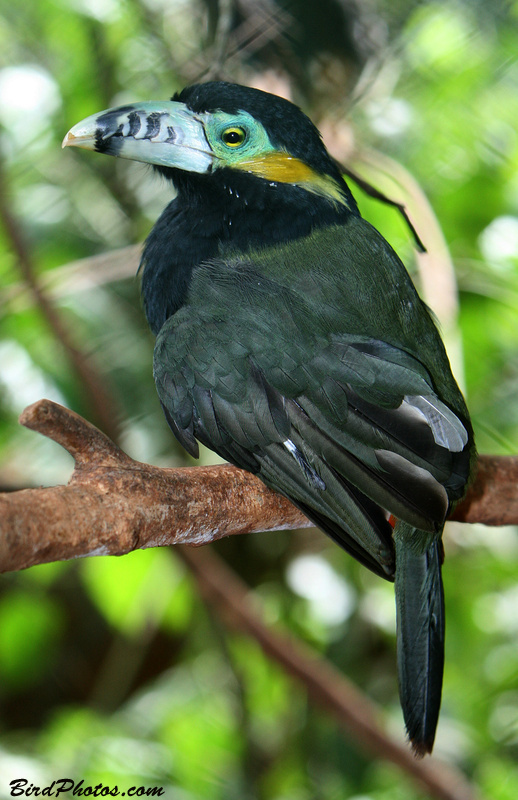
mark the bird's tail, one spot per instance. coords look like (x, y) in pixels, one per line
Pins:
(420, 632)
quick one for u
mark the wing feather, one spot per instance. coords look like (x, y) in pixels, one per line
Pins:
(348, 426)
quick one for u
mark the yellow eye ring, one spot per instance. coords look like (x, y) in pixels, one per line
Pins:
(233, 137)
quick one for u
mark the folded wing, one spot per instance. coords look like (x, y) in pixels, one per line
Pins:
(349, 428)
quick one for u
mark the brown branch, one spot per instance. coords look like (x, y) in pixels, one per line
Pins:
(326, 686)
(492, 499)
(113, 504)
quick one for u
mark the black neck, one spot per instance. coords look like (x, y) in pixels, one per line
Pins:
(212, 214)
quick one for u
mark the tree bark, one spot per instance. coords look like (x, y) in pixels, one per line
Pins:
(113, 504)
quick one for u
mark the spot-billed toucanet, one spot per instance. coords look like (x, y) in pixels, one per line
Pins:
(291, 341)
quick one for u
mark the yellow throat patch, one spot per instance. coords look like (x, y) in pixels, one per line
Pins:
(283, 168)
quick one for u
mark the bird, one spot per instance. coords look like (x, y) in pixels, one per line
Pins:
(291, 340)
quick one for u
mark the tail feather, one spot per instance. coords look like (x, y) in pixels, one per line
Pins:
(420, 632)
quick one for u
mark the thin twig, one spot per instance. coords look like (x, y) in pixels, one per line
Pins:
(94, 388)
(225, 10)
(372, 191)
(76, 276)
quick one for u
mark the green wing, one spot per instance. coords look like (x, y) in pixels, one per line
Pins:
(348, 426)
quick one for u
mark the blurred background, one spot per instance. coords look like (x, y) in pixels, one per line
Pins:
(112, 669)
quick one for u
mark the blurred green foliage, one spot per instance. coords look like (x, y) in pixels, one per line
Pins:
(112, 670)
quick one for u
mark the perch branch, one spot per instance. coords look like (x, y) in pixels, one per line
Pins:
(113, 504)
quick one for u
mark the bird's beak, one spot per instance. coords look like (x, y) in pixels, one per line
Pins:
(163, 133)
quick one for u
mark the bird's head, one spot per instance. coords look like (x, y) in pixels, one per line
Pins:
(213, 128)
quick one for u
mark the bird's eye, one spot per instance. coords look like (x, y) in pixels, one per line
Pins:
(233, 137)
